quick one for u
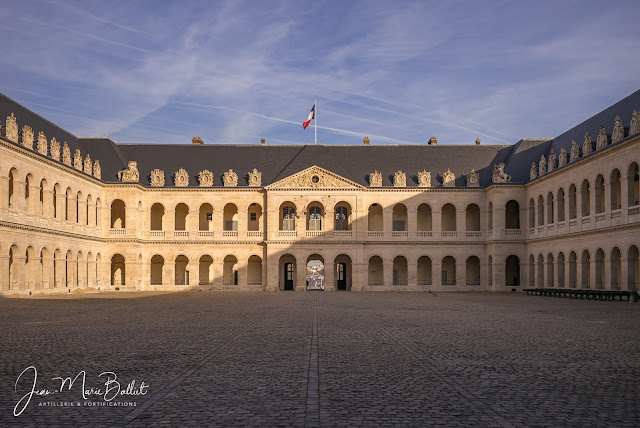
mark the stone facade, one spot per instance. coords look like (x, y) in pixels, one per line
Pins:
(574, 225)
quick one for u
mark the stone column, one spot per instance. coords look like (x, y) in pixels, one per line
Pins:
(91, 210)
(388, 272)
(60, 205)
(47, 203)
(70, 265)
(192, 267)
(606, 267)
(193, 222)
(624, 195)
(624, 273)
(329, 275)
(18, 201)
(169, 224)
(82, 212)
(436, 225)
(387, 223)
(412, 273)
(461, 221)
(359, 275)
(4, 191)
(412, 223)
(34, 200)
(4, 268)
(328, 222)
(592, 271)
(461, 272)
(607, 196)
(301, 274)
(592, 202)
(243, 225)
(130, 221)
(218, 222)
(168, 276)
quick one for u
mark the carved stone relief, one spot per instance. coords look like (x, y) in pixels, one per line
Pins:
(42, 143)
(618, 131)
(634, 126)
(375, 179)
(230, 179)
(575, 151)
(88, 165)
(11, 129)
(552, 161)
(448, 179)
(399, 179)
(499, 176)
(27, 137)
(533, 172)
(157, 178)
(562, 159)
(77, 160)
(473, 180)
(55, 149)
(205, 178)
(255, 178)
(181, 178)
(131, 174)
(424, 178)
(66, 154)
(97, 171)
(601, 141)
(542, 166)
(586, 146)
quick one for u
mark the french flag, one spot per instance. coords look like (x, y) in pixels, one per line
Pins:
(312, 115)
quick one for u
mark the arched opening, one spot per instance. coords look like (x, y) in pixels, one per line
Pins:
(205, 270)
(512, 215)
(12, 187)
(532, 271)
(230, 218)
(399, 220)
(532, 213)
(586, 268)
(540, 271)
(288, 216)
(68, 198)
(88, 213)
(182, 274)
(376, 271)
(69, 269)
(616, 190)
(561, 282)
(550, 271)
(230, 270)
(573, 270)
(315, 214)
(157, 216)
(56, 194)
(585, 198)
(425, 222)
(424, 271)
(561, 205)
(473, 271)
(315, 272)
(77, 209)
(205, 218)
(254, 270)
(98, 208)
(118, 218)
(375, 218)
(157, 269)
(254, 217)
(27, 192)
(512, 271)
(30, 268)
(633, 185)
(550, 209)
(400, 271)
(633, 272)
(490, 270)
(117, 270)
(573, 202)
(490, 216)
(343, 272)
(287, 269)
(13, 268)
(448, 271)
(473, 218)
(540, 211)
(616, 269)
(181, 217)
(599, 194)
(43, 186)
(448, 218)
(600, 278)
(343, 216)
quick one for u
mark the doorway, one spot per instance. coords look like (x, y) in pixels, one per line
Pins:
(288, 276)
(341, 276)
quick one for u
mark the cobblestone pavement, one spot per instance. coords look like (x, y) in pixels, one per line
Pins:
(325, 359)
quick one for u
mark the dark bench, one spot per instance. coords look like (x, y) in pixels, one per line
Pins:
(579, 293)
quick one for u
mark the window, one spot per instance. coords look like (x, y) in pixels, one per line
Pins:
(253, 216)
(209, 216)
(289, 273)
(288, 218)
(315, 218)
(342, 218)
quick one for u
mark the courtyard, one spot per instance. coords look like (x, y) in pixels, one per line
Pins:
(323, 359)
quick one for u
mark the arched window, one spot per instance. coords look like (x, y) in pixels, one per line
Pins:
(254, 217)
(560, 205)
(616, 190)
(342, 218)
(473, 218)
(118, 220)
(512, 271)
(181, 217)
(205, 218)
(512, 215)
(448, 271)
(599, 194)
(157, 216)
(399, 223)
(448, 218)
(585, 198)
(230, 214)
(424, 218)
(532, 213)
(375, 218)
(573, 202)
(288, 219)
(540, 211)
(633, 185)
(550, 209)
(314, 217)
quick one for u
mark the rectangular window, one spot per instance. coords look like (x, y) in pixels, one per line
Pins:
(209, 216)
(398, 226)
(253, 216)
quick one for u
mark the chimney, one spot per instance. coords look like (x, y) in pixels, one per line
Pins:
(262, 140)
(197, 140)
(477, 141)
(366, 141)
(433, 141)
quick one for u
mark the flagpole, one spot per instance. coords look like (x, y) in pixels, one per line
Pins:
(315, 120)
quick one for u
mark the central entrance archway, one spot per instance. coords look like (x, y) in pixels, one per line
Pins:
(315, 273)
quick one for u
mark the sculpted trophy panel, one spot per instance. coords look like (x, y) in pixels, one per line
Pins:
(97, 171)
(533, 171)
(11, 129)
(27, 137)
(157, 178)
(230, 178)
(131, 174)
(448, 179)
(562, 159)
(181, 178)
(618, 131)
(55, 149)
(399, 179)
(634, 126)
(77, 160)
(542, 166)
(586, 146)
(552, 161)
(375, 179)
(473, 179)
(66, 154)
(255, 178)
(424, 178)
(601, 141)
(88, 165)
(205, 178)
(499, 176)
(575, 150)
(42, 143)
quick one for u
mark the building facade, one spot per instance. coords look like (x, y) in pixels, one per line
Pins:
(82, 213)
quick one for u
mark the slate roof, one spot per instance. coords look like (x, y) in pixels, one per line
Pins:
(353, 162)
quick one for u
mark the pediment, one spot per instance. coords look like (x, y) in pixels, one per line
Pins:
(315, 177)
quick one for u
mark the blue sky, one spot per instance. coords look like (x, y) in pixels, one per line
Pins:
(398, 72)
